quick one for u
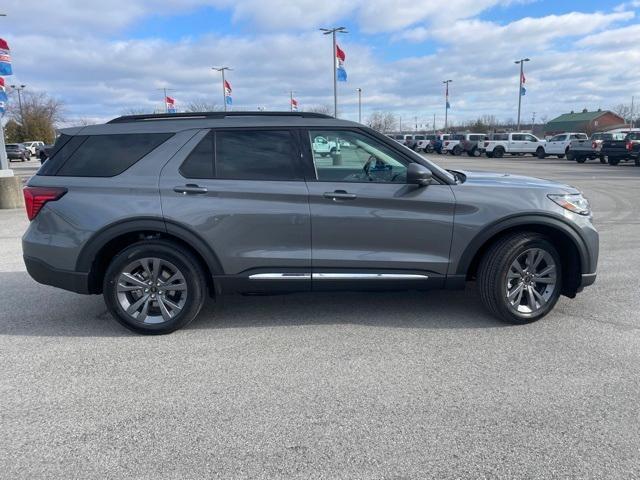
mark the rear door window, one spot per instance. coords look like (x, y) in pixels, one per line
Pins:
(256, 155)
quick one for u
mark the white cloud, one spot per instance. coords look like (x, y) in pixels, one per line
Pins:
(576, 58)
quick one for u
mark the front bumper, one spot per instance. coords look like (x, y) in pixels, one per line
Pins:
(44, 273)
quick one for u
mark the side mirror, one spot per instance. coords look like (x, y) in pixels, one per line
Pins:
(418, 175)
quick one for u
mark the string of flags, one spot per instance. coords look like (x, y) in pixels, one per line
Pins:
(170, 103)
(227, 93)
(5, 69)
(341, 73)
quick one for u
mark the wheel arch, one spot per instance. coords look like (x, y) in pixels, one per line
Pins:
(570, 245)
(94, 256)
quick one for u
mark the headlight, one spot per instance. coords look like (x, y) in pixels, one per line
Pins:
(574, 202)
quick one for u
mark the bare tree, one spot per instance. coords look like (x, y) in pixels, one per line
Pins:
(623, 110)
(382, 121)
(202, 105)
(37, 118)
(137, 111)
(324, 109)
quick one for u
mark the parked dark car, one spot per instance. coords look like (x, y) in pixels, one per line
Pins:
(44, 152)
(17, 151)
(624, 150)
(157, 213)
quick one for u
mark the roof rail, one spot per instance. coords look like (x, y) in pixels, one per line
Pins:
(218, 115)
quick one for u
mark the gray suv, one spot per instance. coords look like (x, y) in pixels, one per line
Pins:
(157, 212)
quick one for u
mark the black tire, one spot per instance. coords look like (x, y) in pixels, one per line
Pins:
(581, 159)
(562, 156)
(540, 153)
(498, 152)
(457, 150)
(493, 270)
(570, 155)
(185, 262)
(603, 159)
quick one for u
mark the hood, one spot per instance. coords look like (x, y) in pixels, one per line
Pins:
(510, 180)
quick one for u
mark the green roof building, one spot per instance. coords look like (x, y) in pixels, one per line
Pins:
(584, 121)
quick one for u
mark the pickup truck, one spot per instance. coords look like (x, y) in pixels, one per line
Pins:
(582, 150)
(452, 144)
(473, 143)
(559, 144)
(432, 142)
(324, 147)
(623, 150)
(514, 144)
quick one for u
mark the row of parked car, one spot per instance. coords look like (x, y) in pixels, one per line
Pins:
(609, 147)
(24, 151)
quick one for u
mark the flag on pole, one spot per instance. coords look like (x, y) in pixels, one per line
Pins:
(341, 73)
(3, 91)
(294, 105)
(5, 58)
(171, 104)
(227, 93)
(522, 81)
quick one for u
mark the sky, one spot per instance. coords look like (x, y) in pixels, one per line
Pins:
(106, 58)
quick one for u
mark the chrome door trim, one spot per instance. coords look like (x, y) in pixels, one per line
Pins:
(280, 276)
(369, 276)
(338, 276)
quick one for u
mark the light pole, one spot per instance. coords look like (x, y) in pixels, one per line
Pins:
(446, 103)
(165, 90)
(224, 91)
(19, 89)
(359, 90)
(333, 31)
(521, 63)
(4, 161)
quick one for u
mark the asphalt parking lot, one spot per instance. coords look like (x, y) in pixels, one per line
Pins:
(349, 385)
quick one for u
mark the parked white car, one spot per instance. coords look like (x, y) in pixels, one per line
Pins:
(559, 145)
(324, 146)
(33, 146)
(514, 144)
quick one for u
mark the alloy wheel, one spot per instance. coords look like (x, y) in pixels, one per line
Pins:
(151, 290)
(531, 281)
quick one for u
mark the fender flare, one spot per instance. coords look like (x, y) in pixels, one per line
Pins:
(105, 235)
(518, 220)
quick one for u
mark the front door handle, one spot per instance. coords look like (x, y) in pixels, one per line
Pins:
(340, 195)
(190, 188)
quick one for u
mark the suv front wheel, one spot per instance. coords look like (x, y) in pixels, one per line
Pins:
(154, 287)
(520, 278)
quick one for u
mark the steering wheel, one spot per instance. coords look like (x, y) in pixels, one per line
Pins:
(367, 166)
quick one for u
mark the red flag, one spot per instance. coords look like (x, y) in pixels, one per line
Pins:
(294, 104)
(523, 79)
(227, 87)
(169, 100)
(340, 53)
(3, 44)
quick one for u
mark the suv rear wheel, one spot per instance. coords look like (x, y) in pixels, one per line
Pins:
(540, 153)
(154, 287)
(520, 278)
(498, 152)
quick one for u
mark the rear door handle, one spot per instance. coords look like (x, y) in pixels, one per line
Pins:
(191, 189)
(340, 195)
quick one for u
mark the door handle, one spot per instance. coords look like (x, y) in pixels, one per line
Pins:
(190, 188)
(340, 195)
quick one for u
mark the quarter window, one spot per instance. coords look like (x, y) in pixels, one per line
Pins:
(348, 156)
(199, 163)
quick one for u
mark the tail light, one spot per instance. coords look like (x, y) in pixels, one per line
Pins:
(446, 143)
(486, 144)
(629, 146)
(594, 145)
(36, 197)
